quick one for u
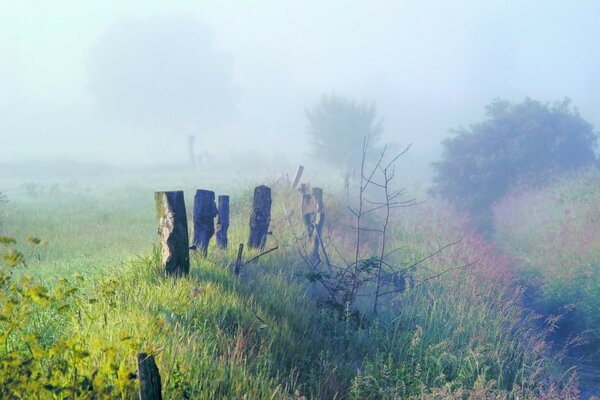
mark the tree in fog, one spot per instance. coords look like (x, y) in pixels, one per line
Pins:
(337, 127)
(162, 73)
(525, 141)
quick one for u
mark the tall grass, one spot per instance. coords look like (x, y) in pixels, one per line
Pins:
(262, 335)
(555, 233)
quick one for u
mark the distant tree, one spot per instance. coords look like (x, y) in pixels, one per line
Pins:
(524, 141)
(337, 127)
(162, 73)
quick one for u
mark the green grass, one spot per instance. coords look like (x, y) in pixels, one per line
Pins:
(262, 335)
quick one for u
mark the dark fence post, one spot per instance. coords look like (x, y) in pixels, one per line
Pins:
(260, 217)
(238, 262)
(222, 221)
(205, 211)
(149, 378)
(173, 231)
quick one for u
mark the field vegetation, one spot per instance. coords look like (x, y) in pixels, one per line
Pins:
(458, 330)
(554, 234)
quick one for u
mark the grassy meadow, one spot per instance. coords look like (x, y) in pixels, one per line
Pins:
(554, 236)
(91, 296)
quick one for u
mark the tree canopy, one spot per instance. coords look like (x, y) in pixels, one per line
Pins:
(524, 141)
(337, 127)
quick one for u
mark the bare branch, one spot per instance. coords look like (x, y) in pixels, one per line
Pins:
(438, 251)
(260, 255)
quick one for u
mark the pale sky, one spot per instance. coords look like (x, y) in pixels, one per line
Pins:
(120, 81)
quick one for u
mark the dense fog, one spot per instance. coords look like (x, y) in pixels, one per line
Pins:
(125, 83)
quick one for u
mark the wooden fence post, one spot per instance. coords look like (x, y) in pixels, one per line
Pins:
(297, 176)
(238, 262)
(308, 209)
(318, 222)
(222, 221)
(173, 231)
(260, 217)
(205, 211)
(149, 378)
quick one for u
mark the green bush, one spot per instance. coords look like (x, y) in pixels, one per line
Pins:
(516, 141)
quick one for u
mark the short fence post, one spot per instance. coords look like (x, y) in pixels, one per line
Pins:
(205, 211)
(260, 217)
(149, 378)
(222, 221)
(173, 231)
(238, 262)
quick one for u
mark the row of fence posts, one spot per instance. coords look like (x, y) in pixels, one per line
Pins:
(173, 226)
(174, 241)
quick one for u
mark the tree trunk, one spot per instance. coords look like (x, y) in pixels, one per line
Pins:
(205, 211)
(149, 378)
(222, 221)
(173, 231)
(260, 217)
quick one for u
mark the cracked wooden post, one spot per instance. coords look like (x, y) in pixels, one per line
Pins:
(173, 232)
(149, 378)
(318, 222)
(260, 217)
(205, 211)
(222, 221)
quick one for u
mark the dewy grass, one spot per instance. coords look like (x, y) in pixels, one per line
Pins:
(262, 335)
(555, 233)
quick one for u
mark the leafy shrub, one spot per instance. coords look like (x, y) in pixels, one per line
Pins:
(516, 141)
(38, 359)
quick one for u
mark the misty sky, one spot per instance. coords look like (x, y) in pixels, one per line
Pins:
(125, 81)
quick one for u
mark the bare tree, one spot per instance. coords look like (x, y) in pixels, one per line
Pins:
(344, 277)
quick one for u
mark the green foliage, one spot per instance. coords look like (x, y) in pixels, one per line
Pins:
(516, 141)
(33, 362)
(337, 127)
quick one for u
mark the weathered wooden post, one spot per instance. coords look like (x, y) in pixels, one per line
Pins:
(260, 217)
(222, 221)
(297, 176)
(238, 262)
(308, 209)
(173, 231)
(318, 222)
(205, 211)
(149, 378)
